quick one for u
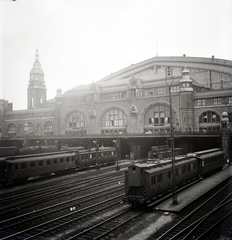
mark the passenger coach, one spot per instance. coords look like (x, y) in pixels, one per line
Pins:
(24, 168)
(144, 182)
(18, 168)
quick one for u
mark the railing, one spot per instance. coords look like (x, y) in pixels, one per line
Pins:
(123, 135)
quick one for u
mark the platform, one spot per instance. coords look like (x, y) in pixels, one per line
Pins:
(194, 192)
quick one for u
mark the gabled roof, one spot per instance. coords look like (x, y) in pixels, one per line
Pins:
(118, 81)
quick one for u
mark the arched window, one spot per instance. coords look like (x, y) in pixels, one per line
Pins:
(114, 121)
(76, 122)
(49, 126)
(157, 119)
(209, 121)
(32, 102)
(11, 130)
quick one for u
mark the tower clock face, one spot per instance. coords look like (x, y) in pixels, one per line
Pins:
(32, 76)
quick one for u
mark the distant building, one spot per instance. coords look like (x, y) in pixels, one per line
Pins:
(132, 100)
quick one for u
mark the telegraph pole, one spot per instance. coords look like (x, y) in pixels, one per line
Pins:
(169, 81)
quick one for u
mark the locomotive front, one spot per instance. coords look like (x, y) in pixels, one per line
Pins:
(135, 185)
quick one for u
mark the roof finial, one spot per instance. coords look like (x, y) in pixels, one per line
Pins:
(37, 55)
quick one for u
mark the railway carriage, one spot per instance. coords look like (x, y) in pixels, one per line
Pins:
(24, 168)
(145, 182)
(104, 155)
(210, 162)
(15, 168)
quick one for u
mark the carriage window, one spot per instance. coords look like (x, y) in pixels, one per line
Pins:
(189, 167)
(194, 165)
(55, 161)
(153, 182)
(40, 163)
(32, 164)
(16, 166)
(48, 162)
(112, 153)
(61, 160)
(67, 159)
(169, 174)
(184, 169)
(23, 166)
(90, 156)
(177, 171)
(160, 178)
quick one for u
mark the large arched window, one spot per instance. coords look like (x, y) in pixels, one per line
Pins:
(157, 119)
(209, 121)
(76, 123)
(11, 130)
(114, 121)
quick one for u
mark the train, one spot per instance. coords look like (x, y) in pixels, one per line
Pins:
(145, 182)
(163, 151)
(21, 168)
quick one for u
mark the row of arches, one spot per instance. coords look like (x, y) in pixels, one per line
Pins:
(115, 121)
(47, 128)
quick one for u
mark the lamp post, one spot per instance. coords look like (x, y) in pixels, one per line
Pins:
(117, 145)
(97, 149)
(169, 81)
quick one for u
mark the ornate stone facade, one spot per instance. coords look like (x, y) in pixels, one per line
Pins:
(134, 100)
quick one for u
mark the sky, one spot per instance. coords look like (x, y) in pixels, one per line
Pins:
(82, 41)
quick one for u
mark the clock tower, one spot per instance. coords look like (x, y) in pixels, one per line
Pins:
(36, 91)
(186, 102)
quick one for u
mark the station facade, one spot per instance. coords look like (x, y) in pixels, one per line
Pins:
(134, 100)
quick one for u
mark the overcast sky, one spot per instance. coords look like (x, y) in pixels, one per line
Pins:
(82, 41)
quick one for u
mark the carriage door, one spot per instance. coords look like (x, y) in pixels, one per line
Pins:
(3, 170)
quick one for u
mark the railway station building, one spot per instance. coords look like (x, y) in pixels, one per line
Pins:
(133, 100)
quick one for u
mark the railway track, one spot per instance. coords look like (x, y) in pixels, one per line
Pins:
(200, 222)
(49, 215)
(44, 197)
(33, 227)
(69, 177)
(107, 226)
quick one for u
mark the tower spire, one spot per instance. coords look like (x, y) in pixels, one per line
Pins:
(37, 55)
